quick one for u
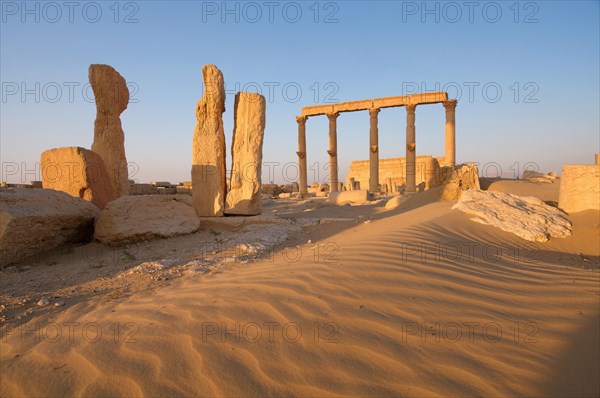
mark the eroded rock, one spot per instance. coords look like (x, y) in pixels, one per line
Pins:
(244, 197)
(79, 172)
(527, 217)
(135, 218)
(35, 220)
(112, 97)
(458, 179)
(208, 147)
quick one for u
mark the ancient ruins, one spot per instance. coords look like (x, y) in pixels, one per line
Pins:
(580, 187)
(208, 147)
(79, 172)
(244, 195)
(112, 97)
(410, 102)
(209, 179)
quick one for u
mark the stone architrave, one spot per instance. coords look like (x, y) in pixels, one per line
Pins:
(112, 96)
(79, 172)
(209, 178)
(244, 196)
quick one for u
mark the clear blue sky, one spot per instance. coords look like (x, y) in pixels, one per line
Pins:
(543, 57)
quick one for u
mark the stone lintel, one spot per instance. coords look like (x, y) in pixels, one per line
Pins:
(385, 102)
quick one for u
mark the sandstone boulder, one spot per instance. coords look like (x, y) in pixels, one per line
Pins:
(356, 197)
(527, 217)
(112, 97)
(35, 220)
(208, 147)
(135, 218)
(579, 188)
(79, 172)
(243, 197)
(460, 178)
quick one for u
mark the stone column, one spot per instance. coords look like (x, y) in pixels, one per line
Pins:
(411, 157)
(597, 158)
(450, 152)
(302, 154)
(333, 161)
(373, 152)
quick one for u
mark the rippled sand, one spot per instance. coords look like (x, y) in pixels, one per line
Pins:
(421, 303)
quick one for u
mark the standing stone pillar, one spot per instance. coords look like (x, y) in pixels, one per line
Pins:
(302, 154)
(333, 160)
(450, 152)
(209, 179)
(244, 196)
(597, 159)
(373, 151)
(411, 156)
(112, 97)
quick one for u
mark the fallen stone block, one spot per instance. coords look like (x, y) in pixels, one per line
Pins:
(35, 220)
(136, 218)
(527, 217)
(356, 197)
(79, 172)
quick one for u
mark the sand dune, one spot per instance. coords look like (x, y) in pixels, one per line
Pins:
(420, 303)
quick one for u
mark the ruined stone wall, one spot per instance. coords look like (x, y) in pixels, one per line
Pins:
(392, 172)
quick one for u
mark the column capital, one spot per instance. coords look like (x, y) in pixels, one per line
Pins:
(410, 108)
(301, 119)
(373, 112)
(332, 115)
(450, 105)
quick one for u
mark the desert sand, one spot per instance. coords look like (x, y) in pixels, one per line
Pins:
(320, 300)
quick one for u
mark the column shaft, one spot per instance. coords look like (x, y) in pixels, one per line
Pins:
(411, 157)
(373, 151)
(333, 160)
(450, 151)
(303, 188)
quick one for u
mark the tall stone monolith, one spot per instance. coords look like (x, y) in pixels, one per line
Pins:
(112, 96)
(209, 181)
(244, 196)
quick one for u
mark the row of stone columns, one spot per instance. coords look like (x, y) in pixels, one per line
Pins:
(411, 157)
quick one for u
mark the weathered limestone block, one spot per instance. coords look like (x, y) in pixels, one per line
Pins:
(35, 220)
(460, 178)
(243, 197)
(135, 218)
(323, 188)
(79, 172)
(357, 197)
(112, 96)
(142, 189)
(208, 147)
(579, 188)
(271, 189)
(527, 217)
